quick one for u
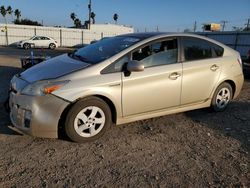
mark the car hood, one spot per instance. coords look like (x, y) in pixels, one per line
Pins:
(53, 68)
(22, 41)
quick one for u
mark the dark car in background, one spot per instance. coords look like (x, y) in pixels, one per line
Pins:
(246, 64)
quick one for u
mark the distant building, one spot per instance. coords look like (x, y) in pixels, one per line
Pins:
(212, 27)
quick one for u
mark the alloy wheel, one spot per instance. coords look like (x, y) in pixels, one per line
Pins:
(89, 121)
(223, 97)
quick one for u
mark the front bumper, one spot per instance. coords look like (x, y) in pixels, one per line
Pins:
(36, 115)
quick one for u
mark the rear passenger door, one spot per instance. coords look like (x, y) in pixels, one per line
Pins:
(45, 42)
(201, 69)
(37, 42)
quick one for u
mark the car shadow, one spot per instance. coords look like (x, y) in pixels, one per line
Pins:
(5, 123)
(233, 122)
(6, 73)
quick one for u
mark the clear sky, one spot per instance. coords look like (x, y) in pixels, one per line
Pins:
(168, 15)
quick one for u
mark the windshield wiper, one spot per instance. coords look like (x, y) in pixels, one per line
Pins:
(78, 57)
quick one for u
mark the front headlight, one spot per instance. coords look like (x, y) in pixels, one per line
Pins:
(43, 87)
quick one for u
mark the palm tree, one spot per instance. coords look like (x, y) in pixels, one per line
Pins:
(3, 12)
(115, 17)
(73, 16)
(92, 15)
(77, 23)
(9, 11)
(17, 14)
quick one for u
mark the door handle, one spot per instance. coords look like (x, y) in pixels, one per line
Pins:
(214, 67)
(174, 75)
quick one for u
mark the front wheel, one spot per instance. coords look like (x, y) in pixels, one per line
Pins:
(26, 46)
(88, 120)
(52, 46)
(222, 96)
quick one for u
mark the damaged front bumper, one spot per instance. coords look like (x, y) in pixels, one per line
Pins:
(36, 115)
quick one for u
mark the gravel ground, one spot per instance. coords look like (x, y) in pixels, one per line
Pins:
(193, 149)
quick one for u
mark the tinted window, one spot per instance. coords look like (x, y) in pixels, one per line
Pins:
(158, 53)
(196, 49)
(104, 49)
(218, 50)
(45, 38)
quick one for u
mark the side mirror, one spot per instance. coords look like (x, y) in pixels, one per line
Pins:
(135, 66)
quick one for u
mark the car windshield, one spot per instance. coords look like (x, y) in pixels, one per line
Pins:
(104, 49)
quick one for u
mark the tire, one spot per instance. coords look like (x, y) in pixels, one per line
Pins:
(26, 46)
(52, 46)
(88, 120)
(222, 97)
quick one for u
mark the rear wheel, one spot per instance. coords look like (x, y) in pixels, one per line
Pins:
(52, 46)
(88, 120)
(26, 46)
(222, 96)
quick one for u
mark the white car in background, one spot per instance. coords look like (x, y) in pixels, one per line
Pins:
(38, 42)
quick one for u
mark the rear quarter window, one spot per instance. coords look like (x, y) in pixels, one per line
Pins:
(219, 51)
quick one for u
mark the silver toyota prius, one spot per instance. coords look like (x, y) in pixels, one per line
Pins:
(123, 79)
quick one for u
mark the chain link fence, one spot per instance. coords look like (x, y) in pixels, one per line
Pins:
(239, 41)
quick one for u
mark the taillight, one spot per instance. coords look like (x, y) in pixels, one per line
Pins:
(239, 61)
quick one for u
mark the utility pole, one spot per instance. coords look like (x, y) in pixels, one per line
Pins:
(248, 24)
(89, 6)
(223, 24)
(157, 28)
(195, 26)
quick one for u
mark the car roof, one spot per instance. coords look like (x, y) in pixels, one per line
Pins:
(157, 35)
(41, 36)
(145, 35)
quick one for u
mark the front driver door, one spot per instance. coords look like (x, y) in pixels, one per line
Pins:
(157, 87)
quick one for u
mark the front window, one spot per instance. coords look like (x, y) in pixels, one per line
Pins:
(158, 53)
(37, 38)
(104, 49)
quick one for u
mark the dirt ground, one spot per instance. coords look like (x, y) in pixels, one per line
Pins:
(193, 149)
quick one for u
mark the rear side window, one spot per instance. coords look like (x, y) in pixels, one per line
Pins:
(45, 38)
(198, 49)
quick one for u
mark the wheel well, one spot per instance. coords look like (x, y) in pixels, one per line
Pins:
(61, 132)
(232, 84)
(111, 106)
